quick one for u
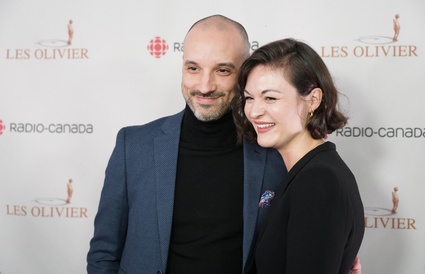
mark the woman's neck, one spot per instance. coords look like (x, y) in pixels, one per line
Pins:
(293, 152)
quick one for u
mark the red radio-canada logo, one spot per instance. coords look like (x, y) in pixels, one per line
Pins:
(2, 127)
(158, 47)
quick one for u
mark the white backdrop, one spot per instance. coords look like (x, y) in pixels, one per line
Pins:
(62, 105)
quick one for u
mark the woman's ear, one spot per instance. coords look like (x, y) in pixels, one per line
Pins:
(315, 98)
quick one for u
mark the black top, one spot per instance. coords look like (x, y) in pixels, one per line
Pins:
(207, 222)
(316, 219)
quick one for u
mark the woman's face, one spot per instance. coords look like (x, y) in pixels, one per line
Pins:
(274, 108)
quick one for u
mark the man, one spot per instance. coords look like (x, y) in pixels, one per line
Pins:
(395, 200)
(70, 32)
(180, 195)
(69, 190)
(396, 25)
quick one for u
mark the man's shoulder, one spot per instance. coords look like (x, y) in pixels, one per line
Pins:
(165, 123)
(255, 147)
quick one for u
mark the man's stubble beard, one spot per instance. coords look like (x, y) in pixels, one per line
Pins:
(206, 113)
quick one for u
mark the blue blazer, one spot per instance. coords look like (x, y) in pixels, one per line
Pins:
(134, 219)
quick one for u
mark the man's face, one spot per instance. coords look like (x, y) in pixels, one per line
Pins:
(211, 61)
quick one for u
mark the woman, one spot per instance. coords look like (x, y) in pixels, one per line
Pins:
(287, 100)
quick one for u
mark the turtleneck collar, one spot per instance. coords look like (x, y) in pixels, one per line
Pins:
(219, 133)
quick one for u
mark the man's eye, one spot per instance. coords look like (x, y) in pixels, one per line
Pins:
(223, 71)
(192, 68)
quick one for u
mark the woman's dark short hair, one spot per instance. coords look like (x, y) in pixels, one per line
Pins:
(305, 70)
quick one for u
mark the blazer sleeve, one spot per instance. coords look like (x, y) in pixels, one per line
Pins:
(319, 223)
(110, 224)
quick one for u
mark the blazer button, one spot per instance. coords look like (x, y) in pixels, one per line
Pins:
(159, 272)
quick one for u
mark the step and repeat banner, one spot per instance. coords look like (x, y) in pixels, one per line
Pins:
(72, 73)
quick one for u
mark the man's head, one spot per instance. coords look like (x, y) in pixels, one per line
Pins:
(213, 51)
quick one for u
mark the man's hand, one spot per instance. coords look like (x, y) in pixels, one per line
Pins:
(357, 267)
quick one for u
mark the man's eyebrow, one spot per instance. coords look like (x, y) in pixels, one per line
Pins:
(189, 62)
(225, 64)
(231, 65)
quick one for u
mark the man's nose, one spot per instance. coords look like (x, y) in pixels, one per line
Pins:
(207, 83)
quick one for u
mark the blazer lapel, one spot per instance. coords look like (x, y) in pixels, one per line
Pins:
(254, 165)
(165, 157)
(301, 163)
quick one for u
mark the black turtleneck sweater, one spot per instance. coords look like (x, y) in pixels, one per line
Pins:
(207, 222)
